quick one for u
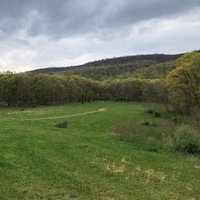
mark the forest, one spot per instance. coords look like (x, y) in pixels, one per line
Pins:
(111, 67)
(173, 80)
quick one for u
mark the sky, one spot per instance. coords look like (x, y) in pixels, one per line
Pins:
(57, 33)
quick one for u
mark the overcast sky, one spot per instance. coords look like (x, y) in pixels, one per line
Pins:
(47, 33)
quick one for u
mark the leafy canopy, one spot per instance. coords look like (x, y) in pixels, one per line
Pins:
(184, 83)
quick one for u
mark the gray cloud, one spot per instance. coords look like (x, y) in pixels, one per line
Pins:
(35, 33)
(63, 18)
(69, 17)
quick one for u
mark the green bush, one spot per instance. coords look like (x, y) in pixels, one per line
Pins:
(149, 111)
(147, 123)
(62, 124)
(157, 114)
(185, 139)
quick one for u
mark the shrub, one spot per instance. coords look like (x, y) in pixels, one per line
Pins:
(185, 139)
(157, 114)
(146, 123)
(62, 124)
(149, 111)
(153, 112)
(175, 120)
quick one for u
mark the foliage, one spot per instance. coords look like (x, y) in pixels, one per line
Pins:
(149, 111)
(20, 90)
(156, 71)
(124, 90)
(185, 139)
(146, 123)
(184, 83)
(157, 114)
(115, 66)
(155, 91)
(42, 89)
(62, 124)
(195, 117)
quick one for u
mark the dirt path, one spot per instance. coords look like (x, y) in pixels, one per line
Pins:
(73, 115)
(63, 116)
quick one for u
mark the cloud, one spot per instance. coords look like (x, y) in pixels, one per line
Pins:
(74, 17)
(39, 33)
(68, 18)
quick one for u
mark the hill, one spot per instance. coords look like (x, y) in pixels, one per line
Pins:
(110, 67)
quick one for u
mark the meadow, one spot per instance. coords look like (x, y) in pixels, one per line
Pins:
(87, 160)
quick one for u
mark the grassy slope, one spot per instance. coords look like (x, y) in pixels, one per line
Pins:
(86, 161)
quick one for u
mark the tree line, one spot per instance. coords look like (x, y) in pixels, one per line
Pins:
(41, 89)
(181, 88)
(30, 90)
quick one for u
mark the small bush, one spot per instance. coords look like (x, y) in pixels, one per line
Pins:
(149, 111)
(175, 121)
(157, 114)
(146, 123)
(153, 148)
(185, 139)
(62, 124)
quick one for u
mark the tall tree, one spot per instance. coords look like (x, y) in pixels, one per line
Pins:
(20, 90)
(155, 91)
(43, 89)
(184, 83)
(4, 82)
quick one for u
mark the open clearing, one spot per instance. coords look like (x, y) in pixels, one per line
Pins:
(87, 160)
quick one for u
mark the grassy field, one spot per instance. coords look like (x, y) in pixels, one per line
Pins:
(87, 160)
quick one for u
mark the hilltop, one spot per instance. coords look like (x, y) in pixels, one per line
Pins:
(110, 66)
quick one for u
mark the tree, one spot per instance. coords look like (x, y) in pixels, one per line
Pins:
(43, 89)
(184, 83)
(58, 88)
(20, 90)
(155, 91)
(4, 82)
(123, 90)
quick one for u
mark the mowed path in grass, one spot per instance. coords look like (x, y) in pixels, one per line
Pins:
(87, 160)
(55, 117)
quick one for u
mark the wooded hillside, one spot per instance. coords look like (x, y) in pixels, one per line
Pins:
(110, 67)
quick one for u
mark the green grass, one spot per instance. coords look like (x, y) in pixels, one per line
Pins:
(87, 160)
